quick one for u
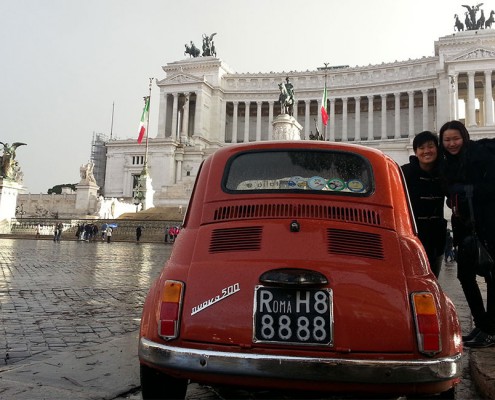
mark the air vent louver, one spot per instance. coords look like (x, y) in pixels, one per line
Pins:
(361, 244)
(283, 210)
(236, 239)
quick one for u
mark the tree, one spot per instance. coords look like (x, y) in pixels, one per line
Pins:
(57, 189)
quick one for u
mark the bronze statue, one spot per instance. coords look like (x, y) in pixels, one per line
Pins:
(286, 97)
(471, 22)
(192, 50)
(490, 20)
(208, 45)
(458, 24)
(8, 164)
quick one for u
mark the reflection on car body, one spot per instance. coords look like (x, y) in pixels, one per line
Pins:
(298, 267)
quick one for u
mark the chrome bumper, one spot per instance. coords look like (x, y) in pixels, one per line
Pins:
(299, 368)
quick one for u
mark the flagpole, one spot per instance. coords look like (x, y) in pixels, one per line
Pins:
(111, 126)
(325, 125)
(147, 126)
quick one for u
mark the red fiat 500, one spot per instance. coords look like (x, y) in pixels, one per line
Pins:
(298, 267)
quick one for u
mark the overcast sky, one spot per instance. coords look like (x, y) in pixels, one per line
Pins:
(65, 62)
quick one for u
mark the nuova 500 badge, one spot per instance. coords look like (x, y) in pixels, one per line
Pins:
(226, 292)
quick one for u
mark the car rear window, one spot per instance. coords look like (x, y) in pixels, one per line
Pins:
(296, 170)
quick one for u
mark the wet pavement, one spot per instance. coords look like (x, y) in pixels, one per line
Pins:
(70, 312)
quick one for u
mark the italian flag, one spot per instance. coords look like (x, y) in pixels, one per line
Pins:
(324, 114)
(144, 118)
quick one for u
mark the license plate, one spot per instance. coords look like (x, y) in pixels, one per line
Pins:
(293, 316)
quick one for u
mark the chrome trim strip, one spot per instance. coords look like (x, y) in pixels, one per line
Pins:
(300, 368)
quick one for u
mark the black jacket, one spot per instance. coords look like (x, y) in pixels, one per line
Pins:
(427, 199)
(475, 166)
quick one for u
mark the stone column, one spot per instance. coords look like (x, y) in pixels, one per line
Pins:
(453, 97)
(357, 121)
(270, 120)
(344, 119)
(175, 133)
(234, 122)
(411, 113)
(294, 111)
(370, 118)
(223, 120)
(162, 116)
(481, 115)
(397, 116)
(307, 119)
(246, 121)
(331, 117)
(198, 114)
(384, 117)
(488, 99)
(185, 116)
(425, 109)
(471, 108)
(258, 121)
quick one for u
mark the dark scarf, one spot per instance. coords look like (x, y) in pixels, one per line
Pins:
(453, 167)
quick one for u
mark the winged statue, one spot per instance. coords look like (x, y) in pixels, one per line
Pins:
(472, 10)
(8, 163)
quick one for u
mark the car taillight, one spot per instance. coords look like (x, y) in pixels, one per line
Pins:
(170, 304)
(427, 324)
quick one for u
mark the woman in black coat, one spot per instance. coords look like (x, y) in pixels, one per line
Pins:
(467, 166)
(427, 197)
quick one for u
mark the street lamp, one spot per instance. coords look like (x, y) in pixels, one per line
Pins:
(138, 192)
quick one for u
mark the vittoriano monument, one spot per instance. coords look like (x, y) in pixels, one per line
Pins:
(10, 182)
(285, 126)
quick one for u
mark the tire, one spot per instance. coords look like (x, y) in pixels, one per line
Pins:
(448, 394)
(157, 385)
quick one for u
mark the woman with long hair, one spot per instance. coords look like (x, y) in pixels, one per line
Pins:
(468, 169)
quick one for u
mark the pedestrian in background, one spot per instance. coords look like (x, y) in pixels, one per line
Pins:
(139, 231)
(449, 255)
(427, 197)
(109, 234)
(469, 167)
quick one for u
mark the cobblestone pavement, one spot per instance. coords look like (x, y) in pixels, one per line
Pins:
(58, 296)
(62, 302)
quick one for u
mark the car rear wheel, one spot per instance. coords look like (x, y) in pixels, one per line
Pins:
(157, 385)
(449, 394)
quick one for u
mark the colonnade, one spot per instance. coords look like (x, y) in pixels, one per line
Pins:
(381, 116)
(472, 87)
(358, 118)
(175, 120)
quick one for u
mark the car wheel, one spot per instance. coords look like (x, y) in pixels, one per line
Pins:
(157, 385)
(449, 394)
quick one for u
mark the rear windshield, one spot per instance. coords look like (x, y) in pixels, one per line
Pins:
(296, 170)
